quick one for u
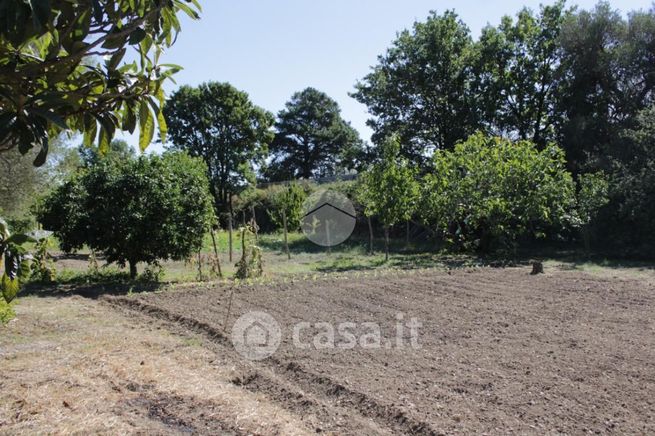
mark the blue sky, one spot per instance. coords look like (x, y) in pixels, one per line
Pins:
(271, 49)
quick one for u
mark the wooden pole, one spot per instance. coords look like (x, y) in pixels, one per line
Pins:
(229, 308)
(286, 237)
(327, 236)
(230, 230)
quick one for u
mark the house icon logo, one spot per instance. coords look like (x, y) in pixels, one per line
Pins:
(329, 218)
(256, 335)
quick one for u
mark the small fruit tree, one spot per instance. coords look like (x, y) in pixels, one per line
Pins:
(140, 210)
(489, 192)
(389, 189)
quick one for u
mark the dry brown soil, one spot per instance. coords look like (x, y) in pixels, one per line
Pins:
(501, 352)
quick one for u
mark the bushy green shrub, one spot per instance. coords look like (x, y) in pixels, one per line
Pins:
(288, 200)
(488, 193)
(141, 210)
(389, 189)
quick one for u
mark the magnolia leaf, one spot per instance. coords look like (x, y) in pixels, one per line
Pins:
(43, 153)
(103, 145)
(42, 10)
(52, 117)
(147, 126)
(90, 134)
(9, 287)
(163, 128)
(19, 239)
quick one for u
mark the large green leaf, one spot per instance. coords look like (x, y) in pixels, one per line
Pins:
(42, 11)
(147, 124)
(9, 287)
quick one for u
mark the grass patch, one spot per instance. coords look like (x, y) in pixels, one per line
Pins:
(6, 311)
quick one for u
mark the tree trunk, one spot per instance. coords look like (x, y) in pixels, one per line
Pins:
(133, 270)
(243, 243)
(587, 240)
(407, 235)
(370, 235)
(327, 237)
(386, 243)
(218, 260)
(254, 224)
(286, 238)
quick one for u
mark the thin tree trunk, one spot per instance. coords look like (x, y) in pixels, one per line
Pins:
(199, 267)
(243, 243)
(587, 241)
(133, 270)
(407, 235)
(254, 224)
(286, 237)
(370, 235)
(218, 260)
(386, 243)
(327, 237)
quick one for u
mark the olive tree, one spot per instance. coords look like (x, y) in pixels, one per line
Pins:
(389, 189)
(141, 210)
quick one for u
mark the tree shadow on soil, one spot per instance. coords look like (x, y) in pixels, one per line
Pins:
(89, 290)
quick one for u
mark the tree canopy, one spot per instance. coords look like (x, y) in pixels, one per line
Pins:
(139, 210)
(219, 123)
(389, 189)
(577, 78)
(487, 193)
(420, 88)
(62, 68)
(312, 139)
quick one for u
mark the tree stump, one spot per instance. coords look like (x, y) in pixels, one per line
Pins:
(537, 268)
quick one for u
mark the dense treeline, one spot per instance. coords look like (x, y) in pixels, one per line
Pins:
(577, 78)
(580, 79)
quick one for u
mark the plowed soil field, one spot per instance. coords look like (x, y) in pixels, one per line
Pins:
(498, 350)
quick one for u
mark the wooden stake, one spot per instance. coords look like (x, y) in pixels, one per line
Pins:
(229, 309)
(230, 230)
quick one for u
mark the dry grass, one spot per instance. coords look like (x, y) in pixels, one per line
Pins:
(73, 365)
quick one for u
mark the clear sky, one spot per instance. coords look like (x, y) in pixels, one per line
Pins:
(271, 49)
